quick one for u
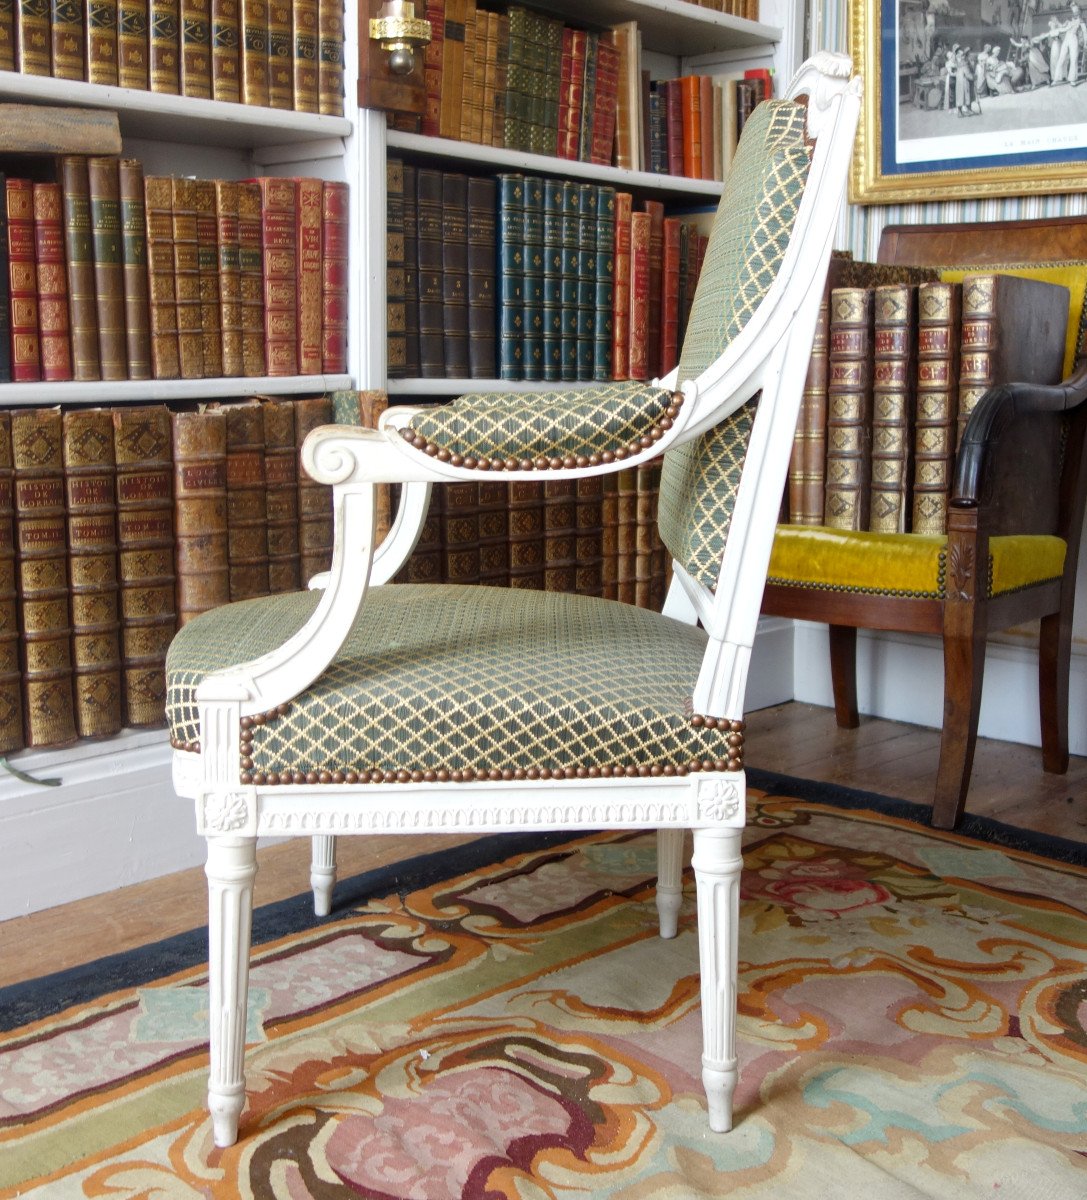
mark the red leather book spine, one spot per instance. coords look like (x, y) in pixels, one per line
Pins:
(334, 278)
(638, 362)
(575, 89)
(673, 103)
(25, 354)
(605, 103)
(669, 352)
(308, 209)
(565, 70)
(278, 218)
(620, 356)
(54, 342)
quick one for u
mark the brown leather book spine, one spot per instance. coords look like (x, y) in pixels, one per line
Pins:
(133, 32)
(42, 550)
(669, 344)
(79, 259)
(164, 55)
(23, 282)
(229, 281)
(396, 316)
(279, 242)
(494, 560)
(90, 489)
(251, 279)
(330, 44)
(100, 30)
(434, 11)
(560, 535)
(200, 511)
(225, 51)
(428, 257)
(280, 55)
(309, 203)
(526, 534)
(11, 676)
(134, 268)
(605, 95)
(849, 409)
(162, 294)
(66, 32)
(32, 37)
(639, 295)
(609, 537)
(207, 258)
(620, 346)
(254, 52)
(427, 561)
(281, 495)
(7, 35)
(190, 323)
(647, 486)
(482, 232)
(195, 23)
(304, 45)
(142, 438)
(460, 532)
(626, 534)
(314, 499)
(655, 211)
(105, 197)
(895, 340)
(589, 579)
(335, 231)
(939, 329)
(54, 339)
(246, 505)
(452, 67)
(807, 464)
(454, 274)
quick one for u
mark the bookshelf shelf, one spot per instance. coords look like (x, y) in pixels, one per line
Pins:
(151, 391)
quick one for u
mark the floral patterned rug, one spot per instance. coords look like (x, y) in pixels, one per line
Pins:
(912, 1024)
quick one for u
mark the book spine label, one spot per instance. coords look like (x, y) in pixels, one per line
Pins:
(195, 21)
(225, 51)
(54, 340)
(101, 36)
(164, 56)
(133, 31)
(105, 204)
(22, 282)
(308, 240)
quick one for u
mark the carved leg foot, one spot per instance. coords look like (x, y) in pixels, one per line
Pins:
(669, 879)
(717, 864)
(322, 876)
(231, 868)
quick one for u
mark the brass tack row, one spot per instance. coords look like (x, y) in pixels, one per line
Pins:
(557, 463)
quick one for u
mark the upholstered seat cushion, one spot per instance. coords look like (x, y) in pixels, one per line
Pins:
(902, 564)
(443, 678)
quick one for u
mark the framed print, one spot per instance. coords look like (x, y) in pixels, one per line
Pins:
(990, 101)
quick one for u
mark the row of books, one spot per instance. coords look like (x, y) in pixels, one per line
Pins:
(114, 275)
(897, 368)
(283, 54)
(117, 525)
(526, 81)
(525, 278)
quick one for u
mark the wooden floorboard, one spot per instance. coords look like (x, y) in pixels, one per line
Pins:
(795, 739)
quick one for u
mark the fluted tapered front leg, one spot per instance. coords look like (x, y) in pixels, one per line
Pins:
(231, 868)
(322, 873)
(717, 864)
(669, 879)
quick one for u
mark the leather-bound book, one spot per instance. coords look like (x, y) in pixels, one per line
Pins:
(532, 351)
(455, 274)
(895, 341)
(511, 275)
(427, 561)
(281, 495)
(134, 268)
(482, 59)
(604, 321)
(549, 40)
(626, 37)
(705, 88)
(314, 499)
(572, 107)
(552, 279)
(195, 19)
(32, 37)
(432, 68)
(100, 30)
(683, 303)
(308, 240)
(494, 558)
(411, 272)
(515, 125)
(304, 45)
(66, 32)
(526, 501)
(251, 279)
(589, 579)
(229, 283)
(1013, 329)
(200, 511)
(5, 288)
(849, 409)
(164, 53)
(42, 555)
(655, 211)
(330, 43)
(280, 55)
(586, 279)
(395, 301)
(7, 36)
(460, 532)
(501, 78)
(560, 535)
(190, 320)
(23, 282)
(939, 330)
(105, 197)
(335, 231)
(482, 232)
(639, 295)
(620, 355)
(247, 509)
(52, 280)
(133, 60)
(279, 216)
(145, 537)
(225, 51)
(79, 259)
(673, 125)
(626, 534)
(253, 52)
(11, 676)
(90, 490)
(452, 68)
(647, 485)
(162, 293)
(609, 536)
(605, 104)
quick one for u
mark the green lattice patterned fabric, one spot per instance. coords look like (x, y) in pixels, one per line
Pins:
(544, 425)
(454, 677)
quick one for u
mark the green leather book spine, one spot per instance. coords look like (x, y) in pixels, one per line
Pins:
(586, 284)
(516, 129)
(605, 282)
(588, 94)
(482, 203)
(552, 279)
(511, 254)
(570, 236)
(533, 363)
(552, 83)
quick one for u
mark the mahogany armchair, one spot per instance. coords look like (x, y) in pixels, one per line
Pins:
(367, 707)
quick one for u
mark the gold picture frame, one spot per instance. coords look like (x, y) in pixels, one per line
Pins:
(891, 167)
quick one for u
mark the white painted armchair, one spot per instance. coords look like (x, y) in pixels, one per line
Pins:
(367, 707)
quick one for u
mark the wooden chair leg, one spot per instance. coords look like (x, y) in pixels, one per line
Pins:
(669, 879)
(717, 862)
(964, 669)
(843, 675)
(1054, 656)
(231, 868)
(322, 874)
